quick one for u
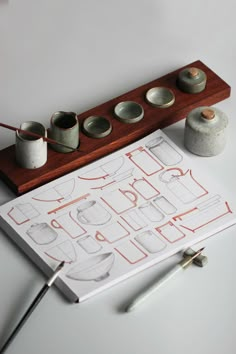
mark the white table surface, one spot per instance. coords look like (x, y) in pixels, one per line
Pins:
(73, 55)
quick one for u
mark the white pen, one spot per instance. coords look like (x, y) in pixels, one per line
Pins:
(144, 295)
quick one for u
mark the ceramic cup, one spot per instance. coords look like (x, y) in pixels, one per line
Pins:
(31, 152)
(64, 128)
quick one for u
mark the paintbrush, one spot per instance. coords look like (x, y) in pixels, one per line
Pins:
(33, 305)
(35, 135)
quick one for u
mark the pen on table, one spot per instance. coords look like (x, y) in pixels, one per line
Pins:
(183, 264)
(33, 305)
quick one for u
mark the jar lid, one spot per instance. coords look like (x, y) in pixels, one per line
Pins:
(192, 80)
(207, 119)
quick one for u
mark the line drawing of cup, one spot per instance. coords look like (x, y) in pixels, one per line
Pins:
(144, 188)
(64, 251)
(91, 212)
(89, 244)
(134, 219)
(68, 224)
(112, 232)
(151, 242)
(151, 212)
(120, 200)
(22, 213)
(165, 152)
(131, 252)
(42, 233)
(144, 161)
(165, 205)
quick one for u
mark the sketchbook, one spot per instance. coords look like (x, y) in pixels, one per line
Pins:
(117, 216)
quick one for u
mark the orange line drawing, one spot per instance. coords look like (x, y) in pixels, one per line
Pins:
(69, 203)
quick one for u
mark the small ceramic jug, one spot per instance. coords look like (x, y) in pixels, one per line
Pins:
(205, 131)
(64, 128)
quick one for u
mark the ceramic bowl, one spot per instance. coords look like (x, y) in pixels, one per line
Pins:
(96, 268)
(96, 127)
(161, 97)
(129, 112)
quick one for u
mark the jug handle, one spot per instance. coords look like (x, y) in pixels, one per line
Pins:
(99, 236)
(56, 224)
(129, 193)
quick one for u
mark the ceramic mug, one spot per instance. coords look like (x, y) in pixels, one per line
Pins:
(64, 128)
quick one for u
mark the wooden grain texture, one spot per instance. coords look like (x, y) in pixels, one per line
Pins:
(22, 180)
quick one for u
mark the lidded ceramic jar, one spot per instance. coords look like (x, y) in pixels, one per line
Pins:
(205, 131)
(192, 80)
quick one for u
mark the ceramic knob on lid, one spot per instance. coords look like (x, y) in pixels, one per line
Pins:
(205, 131)
(192, 80)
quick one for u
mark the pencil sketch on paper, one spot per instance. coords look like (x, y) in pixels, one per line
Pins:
(22, 213)
(182, 184)
(112, 232)
(164, 151)
(170, 232)
(150, 241)
(64, 251)
(144, 161)
(58, 193)
(118, 215)
(68, 224)
(42, 233)
(96, 268)
(203, 214)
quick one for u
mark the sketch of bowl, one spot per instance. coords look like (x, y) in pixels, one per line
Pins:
(113, 166)
(96, 268)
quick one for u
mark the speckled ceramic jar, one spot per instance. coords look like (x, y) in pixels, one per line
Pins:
(31, 152)
(192, 80)
(205, 131)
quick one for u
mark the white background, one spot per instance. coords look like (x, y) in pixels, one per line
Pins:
(73, 55)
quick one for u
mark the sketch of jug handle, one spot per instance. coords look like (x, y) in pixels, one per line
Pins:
(130, 195)
(55, 224)
(99, 236)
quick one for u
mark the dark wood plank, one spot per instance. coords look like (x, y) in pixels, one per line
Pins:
(22, 180)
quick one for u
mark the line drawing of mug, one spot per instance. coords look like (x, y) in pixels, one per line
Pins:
(112, 233)
(151, 212)
(151, 242)
(120, 200)
(89, 244)
(68, 224)
(131, 252)
(92, 212)
(134, 219)
(165, 205)
(144, 188)
(144, 161)
(22, 213)
(170, 232)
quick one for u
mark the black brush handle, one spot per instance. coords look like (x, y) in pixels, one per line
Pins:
(25, 317)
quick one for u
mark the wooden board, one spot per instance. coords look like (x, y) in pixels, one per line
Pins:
(21, 180)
